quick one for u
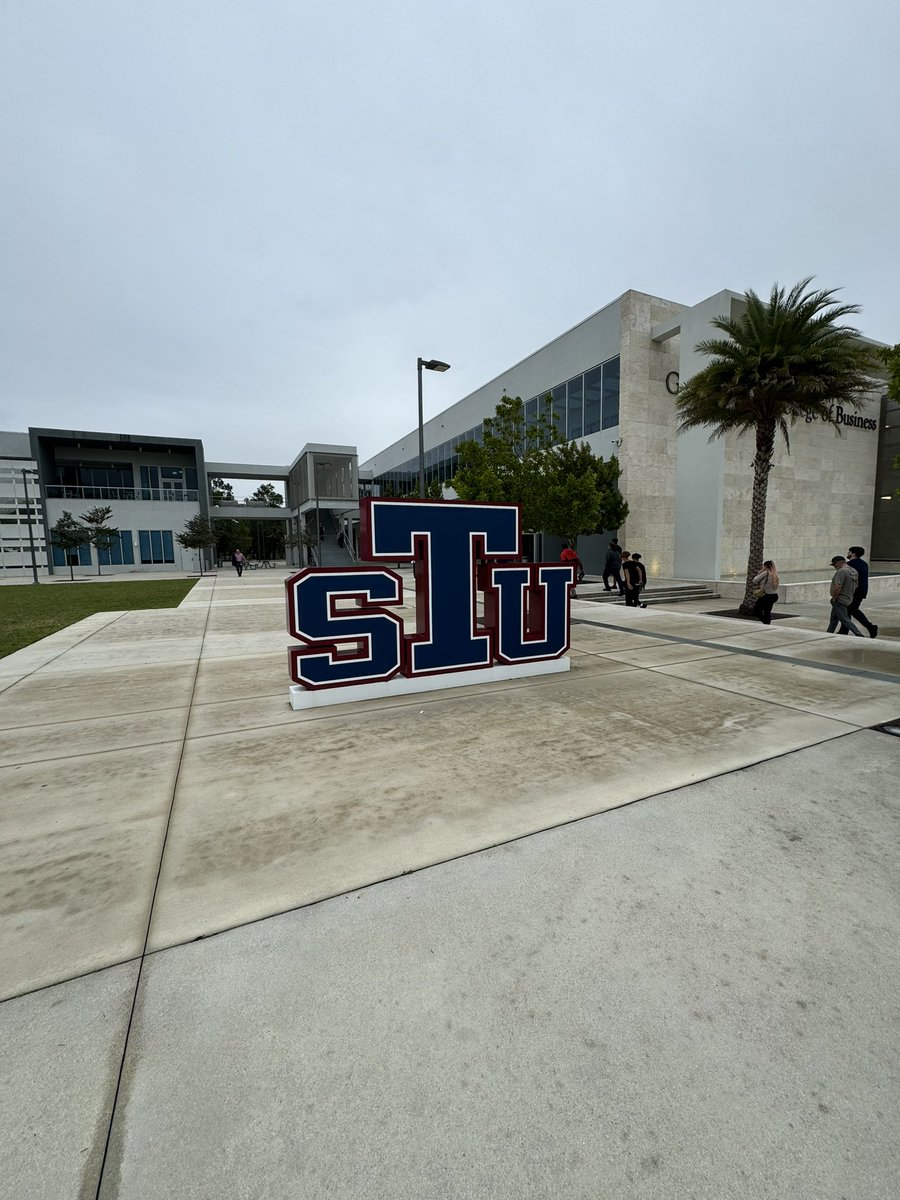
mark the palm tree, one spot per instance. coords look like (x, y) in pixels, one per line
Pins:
(781, 361)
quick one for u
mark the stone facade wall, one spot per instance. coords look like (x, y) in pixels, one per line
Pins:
(647, 430)
(820, 500)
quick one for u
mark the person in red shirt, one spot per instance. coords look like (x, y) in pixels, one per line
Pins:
(570, 555)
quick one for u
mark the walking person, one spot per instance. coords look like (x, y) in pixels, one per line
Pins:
(570, 555)
(238, 561)
(857, 563)
(636, 558)
(631, 577)
(612, 568)
(843, 585)
(766, 591)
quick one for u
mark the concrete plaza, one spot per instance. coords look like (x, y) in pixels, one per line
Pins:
(431, 947)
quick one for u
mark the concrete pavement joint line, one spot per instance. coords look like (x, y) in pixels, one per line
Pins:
(116, 616)
(849, 731)
(775, 703)
(44, 987)
(25, 762)
(137, 712)
(143, 954)
(326, 714)
(836, 668)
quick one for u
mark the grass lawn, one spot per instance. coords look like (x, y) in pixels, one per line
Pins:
(30, 613)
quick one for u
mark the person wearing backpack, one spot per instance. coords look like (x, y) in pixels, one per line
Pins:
(612, 568)
(635, 578)
(857, 563)
(843, 585)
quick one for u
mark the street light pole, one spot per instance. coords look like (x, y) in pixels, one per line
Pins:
(431, 364)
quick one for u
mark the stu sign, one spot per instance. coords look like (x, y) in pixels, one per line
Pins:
(350, 636)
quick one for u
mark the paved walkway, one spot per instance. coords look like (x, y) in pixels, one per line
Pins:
(219, 977)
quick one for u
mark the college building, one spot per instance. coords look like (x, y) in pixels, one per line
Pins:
(613, 379)
(612, 382)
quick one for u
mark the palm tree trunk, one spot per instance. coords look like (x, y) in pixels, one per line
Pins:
(762, 465)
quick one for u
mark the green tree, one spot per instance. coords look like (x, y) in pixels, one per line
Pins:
(781, 360)
(563, 489)
(97, 531)
(580, 492)
(220, 492)
(507, 467)
(266, 492)
(232, 535)
(199, 533)
(306, 540)
(268, 537)
(890, 356)
(68, 535)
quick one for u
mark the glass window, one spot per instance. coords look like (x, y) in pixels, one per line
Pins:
(531, 412)
(593, 390)
(81, 557)
(171, 472)
(559, 410)
(156, 546)
(574, 403)
(119, 552)
(611, 393)
(149, 482)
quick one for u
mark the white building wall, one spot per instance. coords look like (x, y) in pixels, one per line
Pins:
(588, 344)
(130, 515)
(821, 495)
(15, 545)
(134, 515)
(646, 433)
(820, 498)
(700, 463)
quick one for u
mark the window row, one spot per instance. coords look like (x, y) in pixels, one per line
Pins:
(155, 546)
(121, 475)
(582, 405)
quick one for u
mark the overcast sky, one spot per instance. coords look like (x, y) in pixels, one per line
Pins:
(242, 220)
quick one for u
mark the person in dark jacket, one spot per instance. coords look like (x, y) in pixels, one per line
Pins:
(635, 574)
(857, 563)
(612, 568)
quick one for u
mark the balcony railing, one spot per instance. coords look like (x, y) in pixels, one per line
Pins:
(62, 491)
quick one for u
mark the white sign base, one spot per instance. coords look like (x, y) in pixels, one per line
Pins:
(302, 697)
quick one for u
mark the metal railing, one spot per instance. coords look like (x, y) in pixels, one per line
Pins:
(62, 491)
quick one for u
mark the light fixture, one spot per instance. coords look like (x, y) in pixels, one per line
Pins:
(430, 364)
